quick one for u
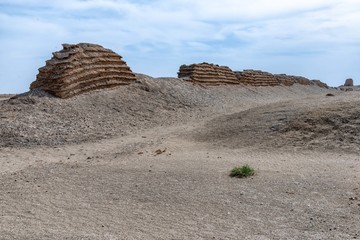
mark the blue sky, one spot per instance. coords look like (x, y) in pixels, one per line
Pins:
(318, 39)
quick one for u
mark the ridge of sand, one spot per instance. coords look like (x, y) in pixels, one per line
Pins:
(37, 119)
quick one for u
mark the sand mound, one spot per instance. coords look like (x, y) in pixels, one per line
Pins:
(319, 123)
(331, 127)
(38, 118)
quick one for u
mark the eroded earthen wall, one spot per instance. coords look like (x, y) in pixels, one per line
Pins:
(207, 74)
(257, 78)
(260, 78)
(80, 68)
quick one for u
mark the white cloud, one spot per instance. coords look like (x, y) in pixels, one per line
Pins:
(26, 25)
(171, 32)
(244, 9)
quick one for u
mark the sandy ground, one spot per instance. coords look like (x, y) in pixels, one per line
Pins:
(122, 187)
(5, 96)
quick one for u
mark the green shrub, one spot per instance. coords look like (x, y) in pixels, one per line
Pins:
(243, 171)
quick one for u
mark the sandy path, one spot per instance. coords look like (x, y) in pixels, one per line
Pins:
(120, 189)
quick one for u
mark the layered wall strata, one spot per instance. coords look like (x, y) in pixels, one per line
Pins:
(208, 74)
(80, 68)
(257, 78)
(260, 78)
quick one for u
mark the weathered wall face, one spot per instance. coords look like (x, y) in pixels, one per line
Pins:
(257, 78)
(260, 78)
(320, 83)
(289, 80)
(207, 74)
(349, 82)
(80, 68)
(211, 74)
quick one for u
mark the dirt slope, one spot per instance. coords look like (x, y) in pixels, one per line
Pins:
(321, 123)
(36, 118)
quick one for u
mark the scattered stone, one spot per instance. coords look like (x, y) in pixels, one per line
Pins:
(159, 151)
(349, 89)
(330, 95)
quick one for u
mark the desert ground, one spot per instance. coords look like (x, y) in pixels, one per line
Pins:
(152, 160)
(6, 96)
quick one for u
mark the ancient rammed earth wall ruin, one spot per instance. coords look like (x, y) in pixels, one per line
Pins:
(81, 68)
(210, 74)
(257, 78)
(84, 67)
(207, 74)
(260, 78)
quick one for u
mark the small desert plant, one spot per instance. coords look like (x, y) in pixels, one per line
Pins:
(243, 171)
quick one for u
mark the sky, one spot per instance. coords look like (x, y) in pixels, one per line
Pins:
(317, 39)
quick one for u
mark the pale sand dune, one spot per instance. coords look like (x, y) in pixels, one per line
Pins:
(117, 187)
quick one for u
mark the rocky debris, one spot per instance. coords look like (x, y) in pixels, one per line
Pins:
(349, 82)
(159, 151)
(349, 86)
(80, 68)
(207, 74)
(349, 89)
